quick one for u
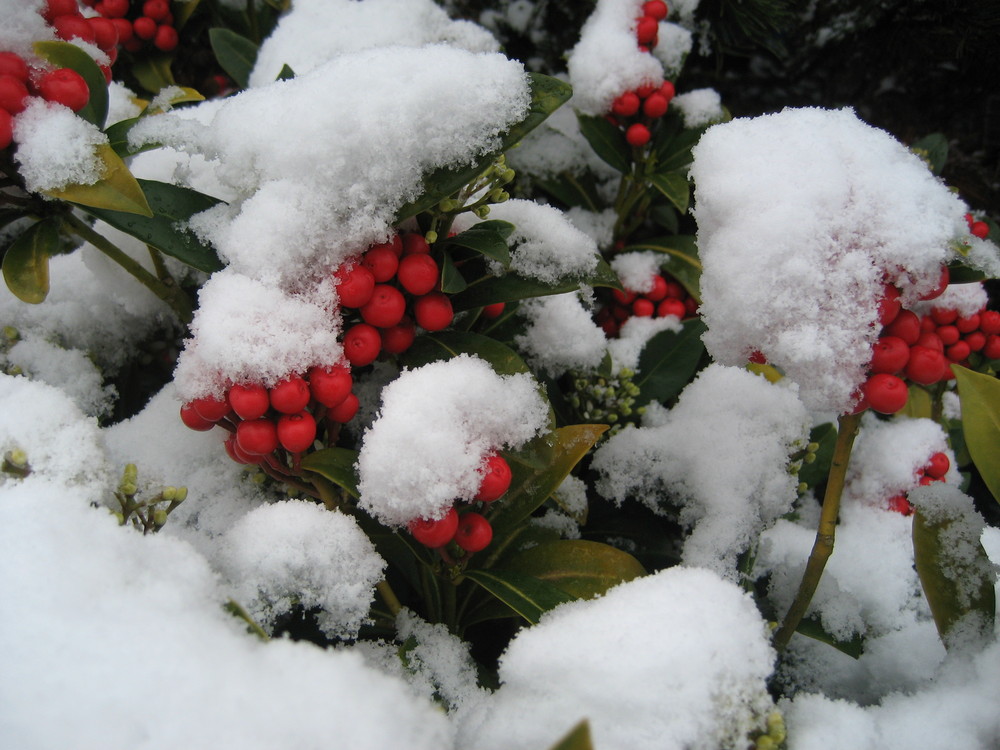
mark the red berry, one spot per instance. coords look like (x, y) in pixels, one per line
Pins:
(927, 325)
(889, 354)
(211, 408)
(967, 324)
(13, 94)
(900, 504)
(668, 91)
(646, 89)
(330, 385)
(938, 465)
(433, 311)
(885, 393)
(65, 86)
(258, 437)
(948, 335)
(418, 273)
(637, 135)
(626, 105)
(643, 308)
(675, 290)
(395, 244)
(976, 340)
(926, 366)
(991, 350)
(382, 262)
(12, 64)
(959, 351)
(888, 305)
(691, 306)
(56, 8)
(989, 322)
(496, 479)
(126, 33)
(194, 420)
(158, 10)
(624, 297)
(941, 285)
(115, 8)
(296, 432)
(144, 27)
(980, 229)
(435, 532)
(671, 306)
(646, 29)
(757, 357)
(344, 411)
(415, 243)
(105, 32)
(655, 105)
(238, 454)
(165, 39)
(291, 395)
(386, 306)
(494, 311)
(906, 326)
(354, 284)
(931, 341)
(398, 338)
(474, 532)
(6, 129)
(943, 315)
(362, 343)
(655, 8)
(73, 26)
(249, 400)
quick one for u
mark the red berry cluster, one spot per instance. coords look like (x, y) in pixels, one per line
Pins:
(667, 297)
(18, 83)
(468, 529)
(647, 26)
(934, 471)
(922, 349)
(263, 420)
(147, 23)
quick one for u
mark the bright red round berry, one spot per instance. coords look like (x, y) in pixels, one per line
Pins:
(646, 29)
(398, 338)
(144, 27)
(211, 408)
(496, 479)
(885, 393)
(418, 273)
(330, 385)
(938, 465)
(291, 395)
(989, 322)
(105, 32)
(64, 86)
(382, 261)
(166, 39)
(354, 284)
(926, 366)
(967, 324)
(624, 297)
(906, 326)
(158, 10)
(493, 311)
(668, 91)
(931, 341)
(656, 105)
(659, 290)
(643, 308)
(991, 349)
(976, 340)
(249, 400)
(958, 351)
(257, 437)
(671, 306)
(386, 306)
(194, 420)
(296, 432)
(888, 305)
(889, 354)
(115, 8)
(12, 64)
(637, 135)
(73, 26)
(13, 94)
(943, 315)
(362, 343)
(901, 504)
(474, 532)
(413, 242)
(344, 411)
(435, 532)
(626, 105)
(655, 8)
(433, 311)
(236, 453)
(948, 335)
(980, 229)
(126, 33)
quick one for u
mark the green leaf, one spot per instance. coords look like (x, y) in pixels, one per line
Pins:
(337, 465)
(488, 238)
(153, 72)
(607, 140)
(286, 73)
(235, 53)
(962, 274)
(183, 12)
(577, 739)
(980, 397)
(674, 142)
(170, 205)
(675, 188)
(955, 574)
(813, 628)
(825, 435)
(117, 190)
(66, 55)
(581, 568)
(933, 148)
(573, 190)
(26, 262)
(547, 95)
(452, 281)
(668, 362)
(527, 596)
(432, 347)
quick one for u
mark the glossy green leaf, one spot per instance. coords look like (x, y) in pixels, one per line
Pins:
(581, 568)
(577, 739)
(26, 262)
(488, 238)
(178, 95)
(668, 362)
(66, 55)
(825, 435)
(527, 596)
(962, 274)
(117, 190)
(980, 397)
(335, 464)
(675, 188)
(171, 205)
(235, 54)
(673, 144)
(811, 627)
(956, 575)
(573, 190)
(153, 72)
(452, 281)
(607, 140)
(488, 289)
(432, 347)
(547, 95)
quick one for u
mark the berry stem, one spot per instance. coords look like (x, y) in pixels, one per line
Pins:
(825, 533)
(389, 597)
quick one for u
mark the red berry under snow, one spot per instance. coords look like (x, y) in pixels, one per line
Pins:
(355, 283)
(382, 261)
(249, 400)
(496, 479)
(12, 64)
(889, 355)
(435, 532)
(626, 105)
(211, 408)
(13, 94)
(938, 465)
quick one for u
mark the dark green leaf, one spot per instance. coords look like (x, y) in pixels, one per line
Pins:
(572, 190)
(26, 262)
(235, 53)
(286, 73)
(452, 281)
(980, 398)
(153, 72)
(577, 739)
(488, 238)
(581, 568)
(674, 142)
(607, 140)
(933, 148)
(66, 55)
(547, 95)
(813, 628)
(335, 464)
(432, 347)
(816, 472)
(668, 362)
(962, 274)
(171, 205)
(524, 594)
(675, 188)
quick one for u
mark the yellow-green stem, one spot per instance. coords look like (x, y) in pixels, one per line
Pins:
(825, 533)
(389, 597)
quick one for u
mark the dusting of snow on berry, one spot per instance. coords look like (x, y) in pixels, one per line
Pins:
(637, 269)
(965, 299)
(436, 425)
(802, 217)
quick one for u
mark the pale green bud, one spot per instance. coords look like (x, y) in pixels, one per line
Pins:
(159, 517)
(431, 237)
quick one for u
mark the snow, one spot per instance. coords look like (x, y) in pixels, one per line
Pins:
(55, 147)
(699, 107)
(435, 428)
(560, 335)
